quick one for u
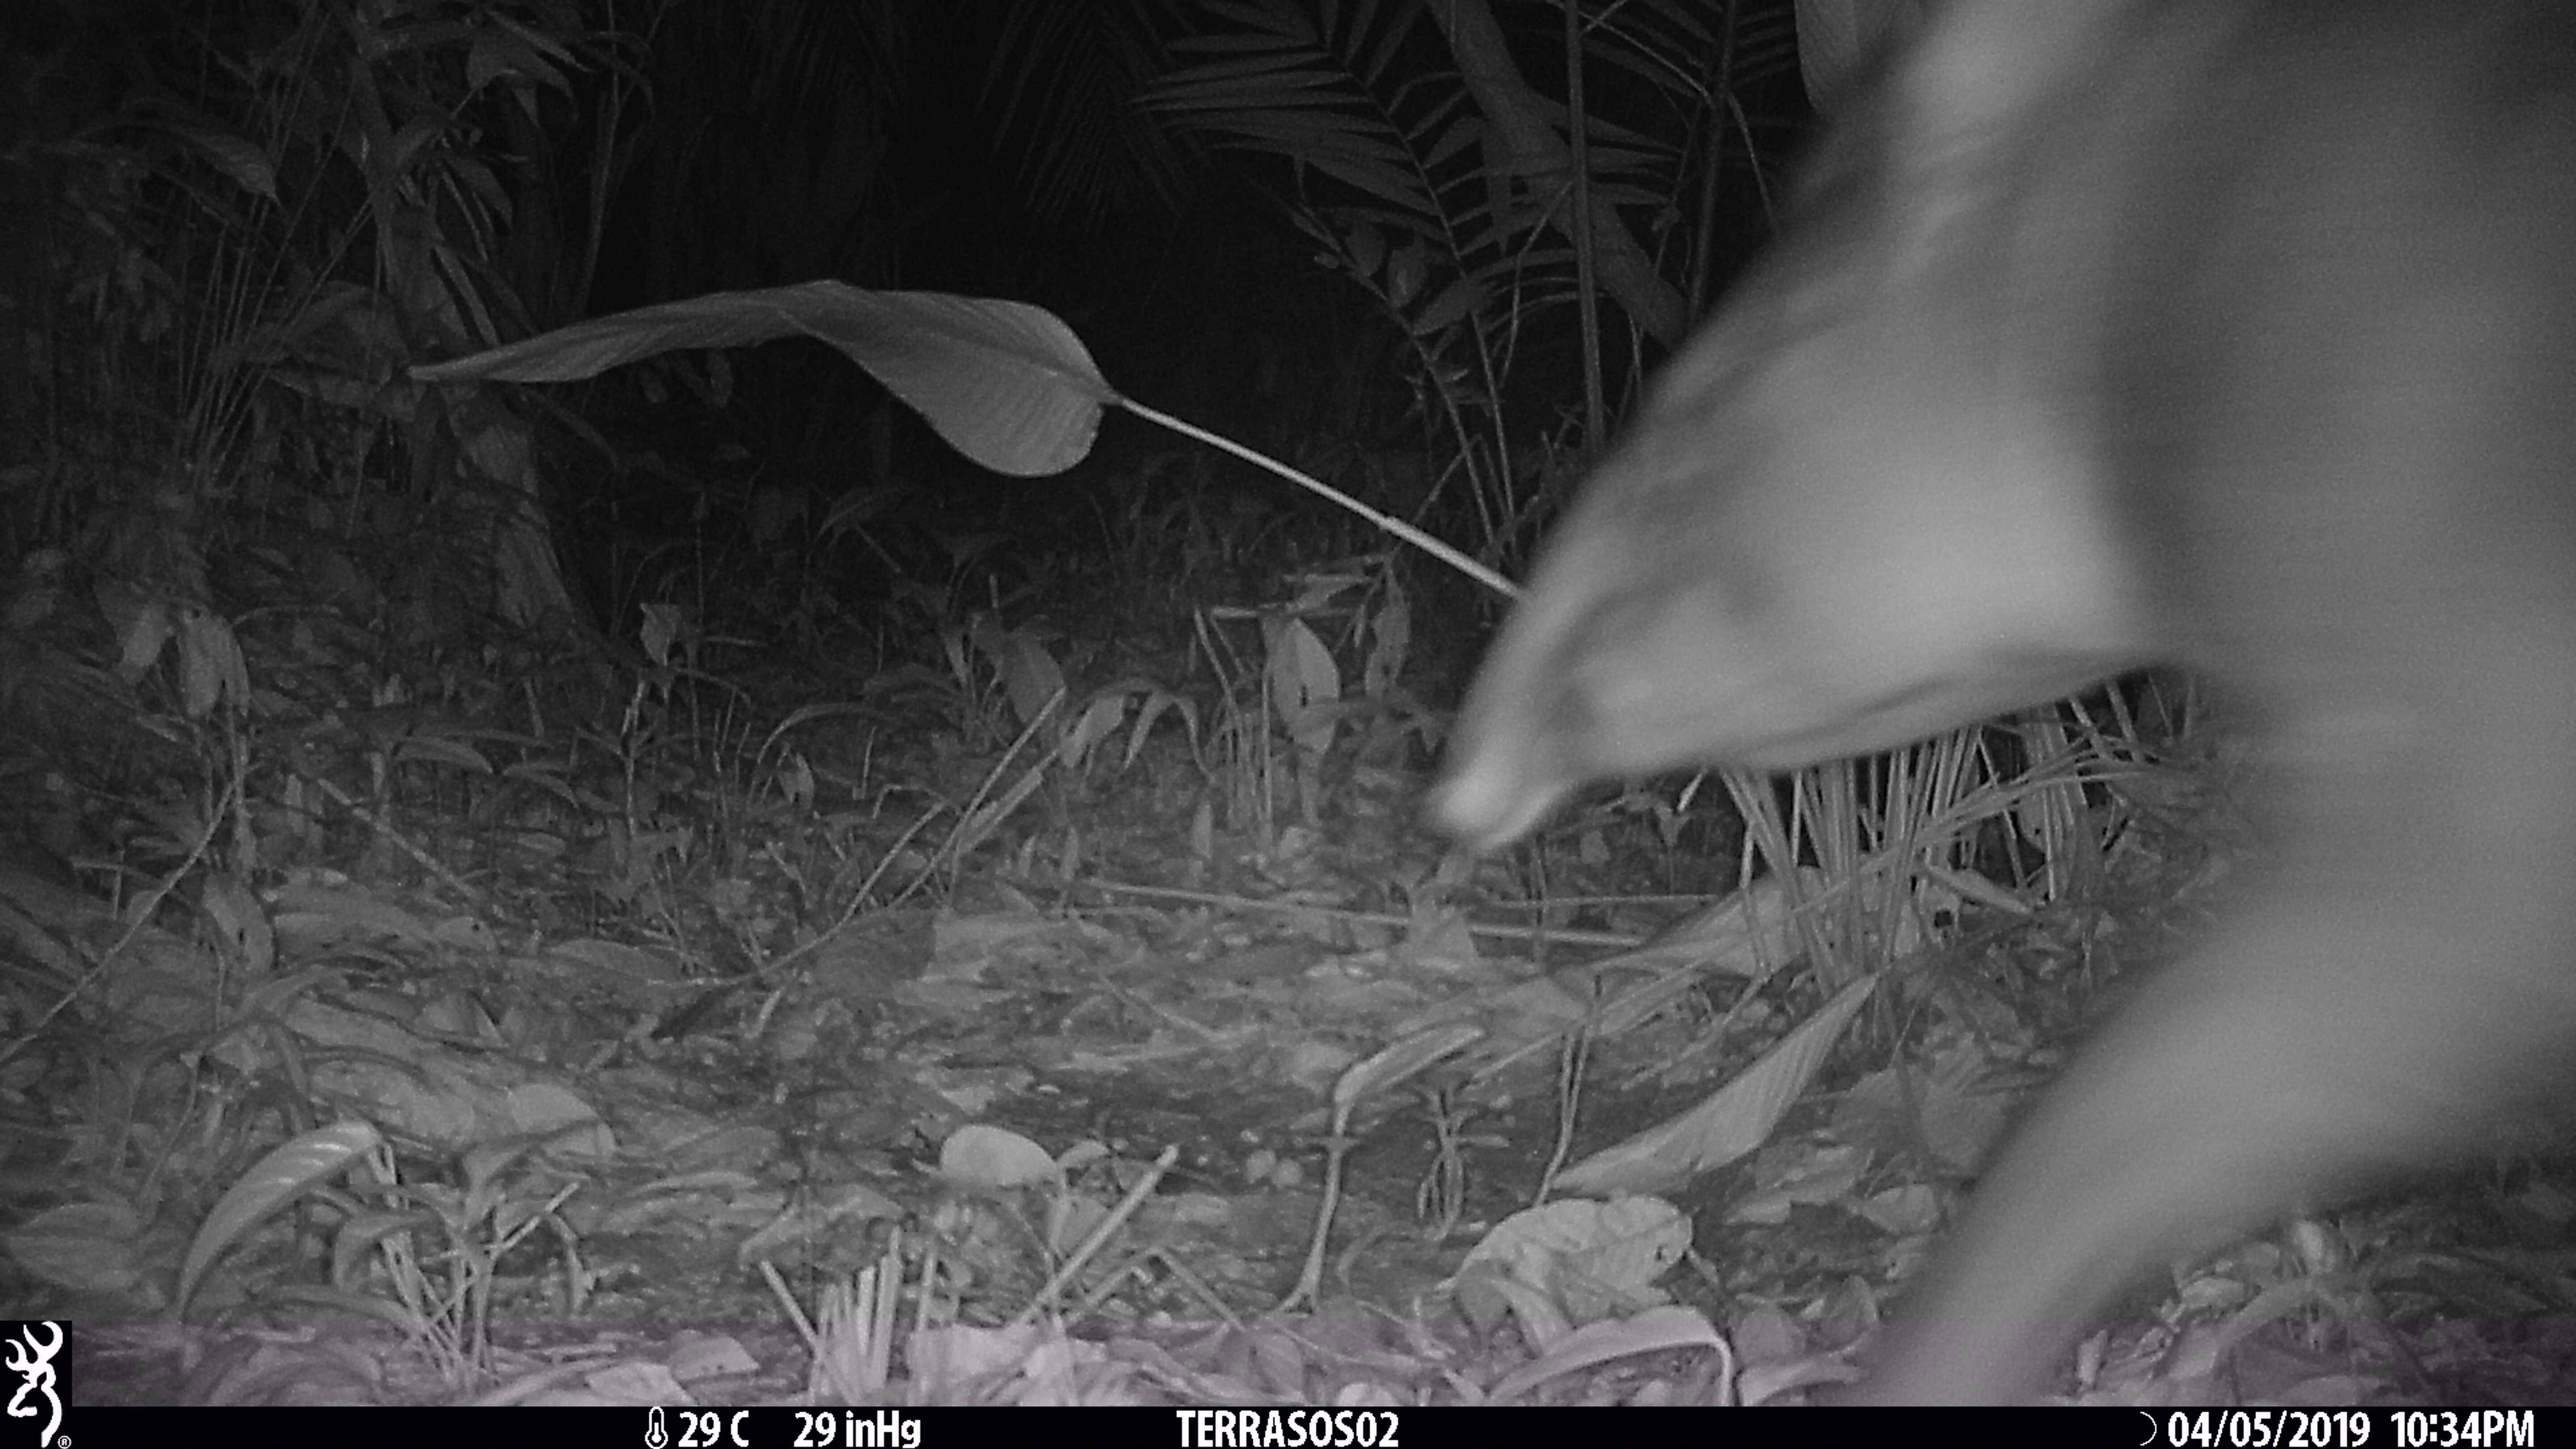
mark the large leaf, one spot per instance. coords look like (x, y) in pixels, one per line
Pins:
(1734, 1120)
(274, 1181)
(1007, 384)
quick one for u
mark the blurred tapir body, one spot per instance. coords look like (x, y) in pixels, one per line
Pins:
(2234, 333)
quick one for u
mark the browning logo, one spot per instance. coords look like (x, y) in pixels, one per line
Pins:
(29, 1350)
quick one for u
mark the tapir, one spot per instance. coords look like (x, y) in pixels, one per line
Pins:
(2238, 335)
